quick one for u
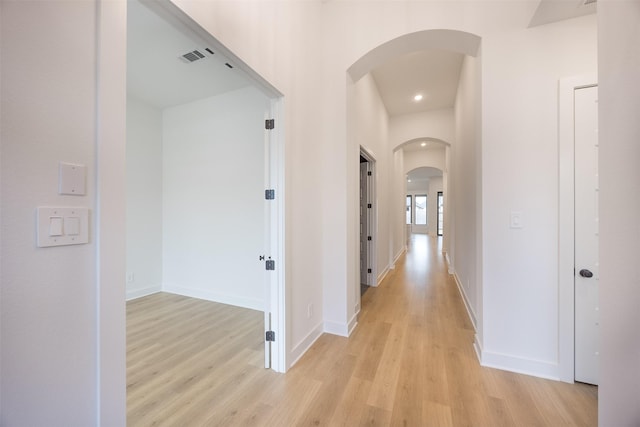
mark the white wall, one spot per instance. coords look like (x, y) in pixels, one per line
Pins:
(371, 133)
(436, 124)
(464, 176)
(520, 77)
(49, 298)
(305, 56)
(619, 103)
(213, 203)
(144, 198)
(431, 157)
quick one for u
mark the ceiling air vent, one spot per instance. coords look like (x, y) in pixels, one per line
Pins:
(192, 56)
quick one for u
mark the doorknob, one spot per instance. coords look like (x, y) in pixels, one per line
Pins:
(586, 273)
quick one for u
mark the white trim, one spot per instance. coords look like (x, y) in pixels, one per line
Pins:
(335, 328)
(301, 348)
(512, 363)
(398, 255)
(143, 292)
(566, 218)
(382, 276)
(110, 213)
(352, 323)
(187, 291)
(470, 312)
(390, 267)
(278, 304)
(450, 269)
(372, 217)
(278, 299)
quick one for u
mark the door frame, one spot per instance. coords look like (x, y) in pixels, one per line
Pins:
(566, 223)
(275, 303)
(372, 219)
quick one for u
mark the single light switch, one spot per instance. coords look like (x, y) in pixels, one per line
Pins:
(71, 225)
(72, 179)
(516, 220)
(55, 226)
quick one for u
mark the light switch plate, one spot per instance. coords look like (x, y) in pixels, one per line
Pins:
(75, 226)
(516, 220)
(72, 179)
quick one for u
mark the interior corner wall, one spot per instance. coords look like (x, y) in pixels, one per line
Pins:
(619, 133)
(398, 216)
(213, 198)
(520, 75)
(49, 295)
(463, 178)
(144, 199)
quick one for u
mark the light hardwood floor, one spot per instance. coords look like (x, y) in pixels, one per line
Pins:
(410, 362)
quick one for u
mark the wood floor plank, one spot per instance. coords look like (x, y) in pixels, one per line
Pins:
(410, 362)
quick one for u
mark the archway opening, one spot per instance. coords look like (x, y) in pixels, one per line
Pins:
(419, 93)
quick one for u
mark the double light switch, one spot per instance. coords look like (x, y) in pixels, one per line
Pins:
(58, 226)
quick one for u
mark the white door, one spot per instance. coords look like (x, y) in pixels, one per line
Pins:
(586, 235)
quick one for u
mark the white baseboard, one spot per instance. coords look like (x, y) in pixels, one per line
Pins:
(249, 303)
(507, 362)
(391, 266)
(301, 348)
(352, 323)
(448, 261)
(399, 254)
(382, 276)
(142, 292)
(470, 312)
(335, 328)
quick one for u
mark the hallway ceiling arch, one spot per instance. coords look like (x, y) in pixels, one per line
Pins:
(417, 145)
(422, 175)
(432, 73)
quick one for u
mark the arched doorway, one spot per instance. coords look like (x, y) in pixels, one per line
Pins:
(389, 132)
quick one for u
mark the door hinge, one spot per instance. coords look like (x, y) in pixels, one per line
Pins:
(270, 264)
(270, 194)
(269, 124)
(369, 205)
(368, 173)
(270, 336)
(369, 238)
(368, 270)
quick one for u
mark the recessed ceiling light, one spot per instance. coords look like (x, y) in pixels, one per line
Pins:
(424, 144)
(418, 97)
(408, 180)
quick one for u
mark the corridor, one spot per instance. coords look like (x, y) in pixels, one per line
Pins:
(409, 362)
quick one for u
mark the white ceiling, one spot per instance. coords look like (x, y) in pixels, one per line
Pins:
(157, 75)
(430, 144)
(155, 72)
(549, 11)
(418, 179)
(433, 73)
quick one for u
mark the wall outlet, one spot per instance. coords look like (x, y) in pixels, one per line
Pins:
(130, 277)
(309, 311)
